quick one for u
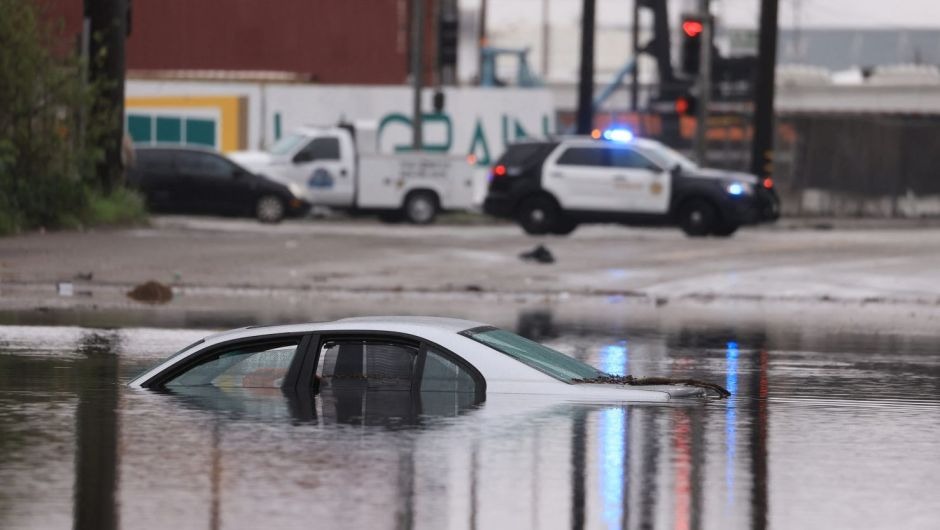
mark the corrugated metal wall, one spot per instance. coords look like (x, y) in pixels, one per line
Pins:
(328, 41)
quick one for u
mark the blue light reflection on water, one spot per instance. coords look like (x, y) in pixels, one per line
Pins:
(615, 358)
(614, 441)
(731, 383)
(613, 447)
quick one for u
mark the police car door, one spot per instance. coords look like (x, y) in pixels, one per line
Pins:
(581, 178)
(646, 186)
(325, 168)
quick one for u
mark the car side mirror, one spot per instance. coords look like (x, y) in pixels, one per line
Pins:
(676, 170)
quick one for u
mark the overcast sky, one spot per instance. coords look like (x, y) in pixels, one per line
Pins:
(733, 13)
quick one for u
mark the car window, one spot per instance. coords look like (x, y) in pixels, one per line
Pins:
(204, 165)
(542, 358)
(325, 148)
(154, 162)
(629, 159)
(443, 375)
(584, 156)
(250, 366)
(525, 155)
(366, 363)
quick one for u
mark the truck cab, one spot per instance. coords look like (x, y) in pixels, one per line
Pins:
(340, 167)
(552, 186)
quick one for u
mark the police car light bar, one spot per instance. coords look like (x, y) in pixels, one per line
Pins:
(618, 135)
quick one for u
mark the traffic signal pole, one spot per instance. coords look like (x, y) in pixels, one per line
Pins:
(704, 83)
(586, 82)
(417, 70)
(762, 144)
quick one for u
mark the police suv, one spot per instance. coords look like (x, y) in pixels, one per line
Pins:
(551, 186)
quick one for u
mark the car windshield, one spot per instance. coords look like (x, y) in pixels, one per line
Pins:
(667, 157)
(542, 358)
(286, 145)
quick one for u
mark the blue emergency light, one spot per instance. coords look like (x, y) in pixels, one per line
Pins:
(618, 135)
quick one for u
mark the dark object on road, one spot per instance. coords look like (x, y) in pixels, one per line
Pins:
(151, 293)
(85, 276)
(538, 254)
(202, 181)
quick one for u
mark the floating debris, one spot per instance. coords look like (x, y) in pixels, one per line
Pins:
(151, 293)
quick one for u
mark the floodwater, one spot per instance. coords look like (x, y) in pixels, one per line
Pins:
(823, 431)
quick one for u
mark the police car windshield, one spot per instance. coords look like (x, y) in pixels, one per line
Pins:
(286, 145)
(666, 157)
(542, 358)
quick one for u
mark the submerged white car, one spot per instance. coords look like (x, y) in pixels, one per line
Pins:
(412, 354)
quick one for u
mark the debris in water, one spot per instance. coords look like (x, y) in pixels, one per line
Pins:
(151, 293)
(539, 254)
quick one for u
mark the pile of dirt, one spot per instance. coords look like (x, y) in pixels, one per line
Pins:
(151, 293)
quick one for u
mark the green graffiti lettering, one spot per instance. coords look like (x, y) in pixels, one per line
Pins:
(397, 117)
(479, 141)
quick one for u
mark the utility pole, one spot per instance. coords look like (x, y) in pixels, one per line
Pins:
(586, 83)
(417, 70)
(704, 82)
(546, 30)
(763, 143)
(481, 41)
(107, 22)
(635, 77)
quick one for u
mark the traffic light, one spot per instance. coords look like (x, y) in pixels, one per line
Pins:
(690, 44)
(686, 105)
(447, 38)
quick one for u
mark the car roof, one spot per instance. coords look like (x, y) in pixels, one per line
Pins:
(184, 148)
(415, 325)
(587, 141)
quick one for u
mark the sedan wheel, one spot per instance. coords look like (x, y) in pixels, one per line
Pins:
(270, 209)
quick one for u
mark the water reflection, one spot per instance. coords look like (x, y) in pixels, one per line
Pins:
(77, 447)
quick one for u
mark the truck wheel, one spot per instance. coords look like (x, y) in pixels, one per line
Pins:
(270, 209)
(725, 229)
(698, 218)
(538, 215)
(420, 208)
(564, 226)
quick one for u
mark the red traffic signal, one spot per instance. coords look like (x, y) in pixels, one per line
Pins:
(692, 28)
(685, 105)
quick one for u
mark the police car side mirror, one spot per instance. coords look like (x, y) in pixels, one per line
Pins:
(676, 170)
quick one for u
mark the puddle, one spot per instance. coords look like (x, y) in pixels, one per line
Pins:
(824, 431)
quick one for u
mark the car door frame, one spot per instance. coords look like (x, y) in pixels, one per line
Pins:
(160, 379)
(653, 186)
(602, 197)
(308, 367)
(341, 171)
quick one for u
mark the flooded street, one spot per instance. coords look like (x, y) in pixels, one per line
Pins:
(823, 431)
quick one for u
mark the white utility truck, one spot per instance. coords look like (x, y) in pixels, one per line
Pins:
(340, 167)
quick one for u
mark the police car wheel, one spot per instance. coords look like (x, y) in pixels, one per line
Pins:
(420, 208)
(725, 229)
(564, 226)
(698, 218)
(538, 215)
(269, 209)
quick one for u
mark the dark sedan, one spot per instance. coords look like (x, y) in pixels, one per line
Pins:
(201, 181)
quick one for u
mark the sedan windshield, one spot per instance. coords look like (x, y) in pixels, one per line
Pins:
(542, 358)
